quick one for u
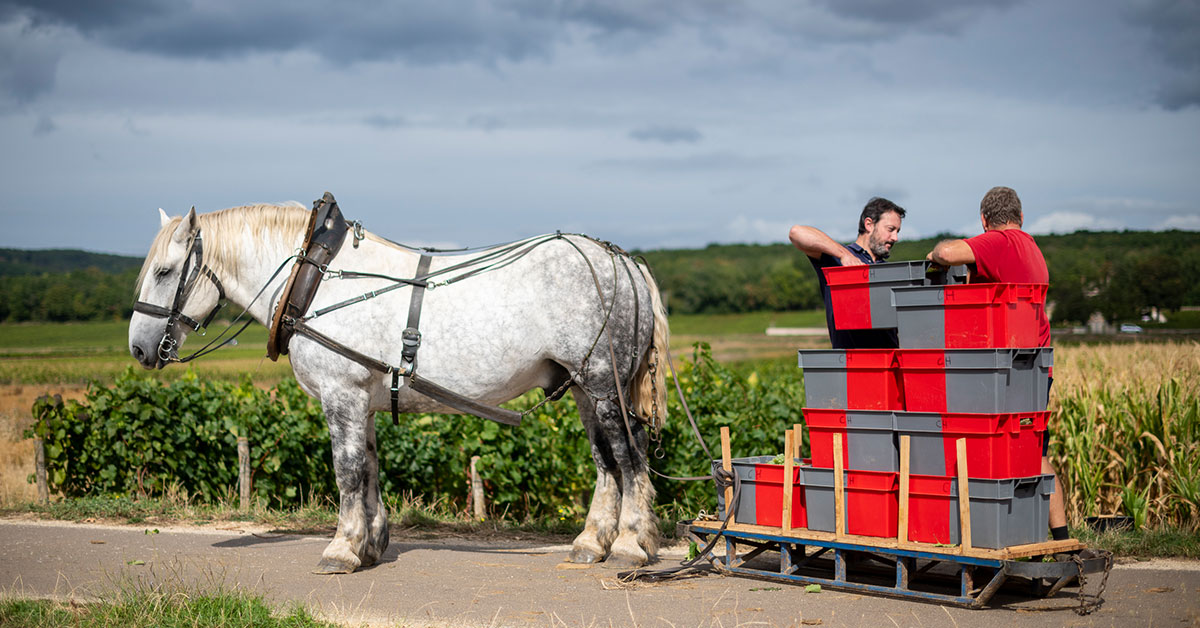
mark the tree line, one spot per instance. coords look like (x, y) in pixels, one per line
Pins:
(1121, 275)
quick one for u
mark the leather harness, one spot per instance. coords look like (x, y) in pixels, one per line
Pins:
(326, 231)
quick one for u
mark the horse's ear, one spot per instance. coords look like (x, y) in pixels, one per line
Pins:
(187, 227)
(162, 215)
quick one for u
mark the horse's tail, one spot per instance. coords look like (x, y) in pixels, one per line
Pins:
(649, 396)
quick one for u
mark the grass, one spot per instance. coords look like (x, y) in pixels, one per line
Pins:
(745, 323)
(134, 604)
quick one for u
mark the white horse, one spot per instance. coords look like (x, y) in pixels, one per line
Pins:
(540, 319)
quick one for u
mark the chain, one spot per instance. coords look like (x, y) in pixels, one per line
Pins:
(1089, 603)
(655, 422)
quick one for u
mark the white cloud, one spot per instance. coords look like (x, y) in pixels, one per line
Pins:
(1070, 222)
(1189, 222)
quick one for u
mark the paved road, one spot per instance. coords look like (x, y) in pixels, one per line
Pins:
(466, 583)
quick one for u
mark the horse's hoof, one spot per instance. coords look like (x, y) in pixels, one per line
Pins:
(583, 556)
(622, 561)
(329, 567)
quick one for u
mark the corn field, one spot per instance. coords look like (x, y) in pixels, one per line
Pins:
(1125, 428)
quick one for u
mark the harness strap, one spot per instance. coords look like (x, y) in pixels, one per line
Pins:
(410, 338)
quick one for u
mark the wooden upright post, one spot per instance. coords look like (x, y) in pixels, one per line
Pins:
(243, 449)
(789, 447)
(964, 498)
(839, 489)
(727, 464)
(902, 532)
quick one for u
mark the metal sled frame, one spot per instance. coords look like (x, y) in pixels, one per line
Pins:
(862, 564)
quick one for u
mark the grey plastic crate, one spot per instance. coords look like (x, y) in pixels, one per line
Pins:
(882, 278)
(870, 437)
(976, 380)
(745, 510)
(1004, 512)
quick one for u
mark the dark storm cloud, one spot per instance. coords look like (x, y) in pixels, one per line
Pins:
(666, 134)
(27, 65)
(1174, 27)
(344, 32)
(936, 14)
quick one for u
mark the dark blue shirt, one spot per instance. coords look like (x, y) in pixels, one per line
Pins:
(851, 338)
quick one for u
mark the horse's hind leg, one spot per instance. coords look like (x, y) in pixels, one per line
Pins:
(637, 535)
(637, 528)
(621, 522)
(601, 527)
(362, 520)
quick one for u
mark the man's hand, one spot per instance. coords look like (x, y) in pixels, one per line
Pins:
(850, 259)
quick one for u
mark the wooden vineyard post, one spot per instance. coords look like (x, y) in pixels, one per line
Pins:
(789, 446)
(796, 439)
(964, 499)
(39, 464)
(480, 508)
(243, 449)
(727, 464)
(839, 489)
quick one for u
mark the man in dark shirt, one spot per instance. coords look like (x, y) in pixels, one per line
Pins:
(878, 230)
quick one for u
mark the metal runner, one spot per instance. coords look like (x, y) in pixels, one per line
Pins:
(858, 564)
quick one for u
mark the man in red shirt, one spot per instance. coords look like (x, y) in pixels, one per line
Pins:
(1006, 254)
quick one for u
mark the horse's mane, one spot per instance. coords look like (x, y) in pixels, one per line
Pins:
(220, 248)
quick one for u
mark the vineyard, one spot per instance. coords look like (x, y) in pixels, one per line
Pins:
(1125, 438)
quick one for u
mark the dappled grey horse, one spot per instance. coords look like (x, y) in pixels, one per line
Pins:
(565, 312)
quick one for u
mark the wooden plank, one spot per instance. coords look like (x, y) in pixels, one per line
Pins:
(964, 498)
(839, 489)
(727, 464)
(788, 446)
(902, 516)
(796, 440)
(1008, 553)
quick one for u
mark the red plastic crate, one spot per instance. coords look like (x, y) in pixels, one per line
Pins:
(872, 501)
(850, 293)
(856, 379)
(975, 380)
(1004, 445)
(971, 316)
(768, 500)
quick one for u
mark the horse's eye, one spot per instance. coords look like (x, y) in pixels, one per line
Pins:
(162, 272)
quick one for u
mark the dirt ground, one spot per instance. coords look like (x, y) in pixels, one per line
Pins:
(467, 582)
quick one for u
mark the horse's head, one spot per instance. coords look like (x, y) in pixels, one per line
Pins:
(171, 294)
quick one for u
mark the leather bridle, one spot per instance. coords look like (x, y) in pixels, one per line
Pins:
(189, 276)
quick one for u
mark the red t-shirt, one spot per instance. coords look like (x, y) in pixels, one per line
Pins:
(1011, 256)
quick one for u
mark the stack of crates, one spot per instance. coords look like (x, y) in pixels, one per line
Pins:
(968, 367)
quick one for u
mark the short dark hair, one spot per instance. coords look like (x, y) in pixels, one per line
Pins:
(875, 208)
(1001, 206)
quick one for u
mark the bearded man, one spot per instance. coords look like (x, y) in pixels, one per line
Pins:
(878, 230)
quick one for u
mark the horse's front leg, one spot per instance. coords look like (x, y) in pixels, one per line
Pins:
(362, 520)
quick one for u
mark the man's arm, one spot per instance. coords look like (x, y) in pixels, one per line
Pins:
(815, 243)
(952, 253)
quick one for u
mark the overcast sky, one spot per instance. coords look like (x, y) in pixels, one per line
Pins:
(650, 123)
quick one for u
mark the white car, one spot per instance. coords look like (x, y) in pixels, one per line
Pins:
(1131, 329)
